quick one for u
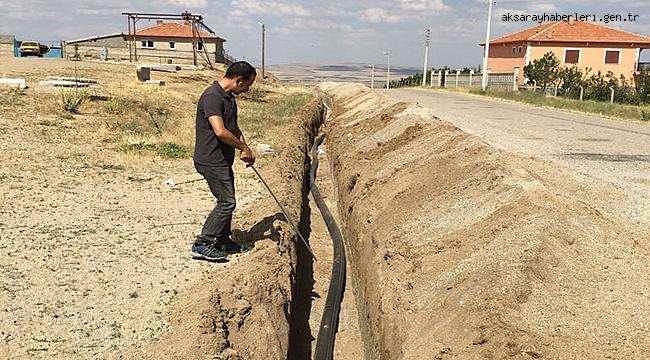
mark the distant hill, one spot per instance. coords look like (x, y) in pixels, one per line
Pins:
(308, 74)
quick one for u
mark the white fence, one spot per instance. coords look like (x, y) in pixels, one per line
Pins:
(500, 81)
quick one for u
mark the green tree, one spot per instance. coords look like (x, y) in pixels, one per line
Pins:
(544, 71)
(572, 79)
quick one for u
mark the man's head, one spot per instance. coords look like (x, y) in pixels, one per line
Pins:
(242, 75)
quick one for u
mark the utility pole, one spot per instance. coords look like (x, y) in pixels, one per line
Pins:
(426, 57)
(263, 38)
(484, 82)
(372, 76)
(387, 53)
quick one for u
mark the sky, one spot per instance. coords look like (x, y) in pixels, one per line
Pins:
(319, 31)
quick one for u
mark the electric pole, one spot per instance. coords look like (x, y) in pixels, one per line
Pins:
(484, 81)
(426, 57)
(387, 53)
(263, 38)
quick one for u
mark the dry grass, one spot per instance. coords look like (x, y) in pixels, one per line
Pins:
(619, 111)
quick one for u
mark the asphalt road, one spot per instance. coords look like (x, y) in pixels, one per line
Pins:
(616, 152)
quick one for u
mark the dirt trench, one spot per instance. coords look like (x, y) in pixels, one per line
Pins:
(461, 251)
(258, 306)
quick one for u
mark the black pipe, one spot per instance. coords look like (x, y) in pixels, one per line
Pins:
(330, 320)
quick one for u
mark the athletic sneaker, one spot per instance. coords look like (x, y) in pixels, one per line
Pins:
(207, 252)
(229, 247)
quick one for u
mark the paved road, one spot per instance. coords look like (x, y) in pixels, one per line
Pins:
(616, 152)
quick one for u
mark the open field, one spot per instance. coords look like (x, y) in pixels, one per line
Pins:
(94, 247)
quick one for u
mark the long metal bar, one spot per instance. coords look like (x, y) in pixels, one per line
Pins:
(128, 22)
(284, 212)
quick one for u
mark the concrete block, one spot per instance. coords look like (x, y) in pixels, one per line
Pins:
(14, 83)
(143, 73)
(63, 83)
(155, 82)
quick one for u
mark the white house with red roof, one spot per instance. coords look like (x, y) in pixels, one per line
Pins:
(166, 42)
(574, 43)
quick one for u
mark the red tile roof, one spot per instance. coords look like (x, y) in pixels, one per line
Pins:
(172, 29)
(578, 31)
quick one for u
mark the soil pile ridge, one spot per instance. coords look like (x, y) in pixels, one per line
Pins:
(459, 250)
(254, 307)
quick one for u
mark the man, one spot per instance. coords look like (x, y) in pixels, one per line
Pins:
(217, 137)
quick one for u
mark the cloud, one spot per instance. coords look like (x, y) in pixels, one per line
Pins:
(422, 5)
(245, 8)
(380, 15)
(189, 3)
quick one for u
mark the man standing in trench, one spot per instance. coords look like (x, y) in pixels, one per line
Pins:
(217, 137)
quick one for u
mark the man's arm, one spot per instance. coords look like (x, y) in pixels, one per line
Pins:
(229, 138)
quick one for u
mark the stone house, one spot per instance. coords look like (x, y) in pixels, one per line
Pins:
(163, 42)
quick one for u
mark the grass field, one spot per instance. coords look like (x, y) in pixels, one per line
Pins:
(621, 111)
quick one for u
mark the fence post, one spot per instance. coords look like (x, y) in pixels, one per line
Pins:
(457, 73)
(515, 78)
(446, 76)
(555, 90)
(534, 86)
(439, 78)
(471, 72)
(582, 91)
(612, 98)
(431, 82)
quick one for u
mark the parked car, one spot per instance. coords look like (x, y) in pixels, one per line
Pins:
(33, 48)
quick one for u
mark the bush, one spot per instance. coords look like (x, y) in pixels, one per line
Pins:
(545, 71)
(644, 113)
(72, 100)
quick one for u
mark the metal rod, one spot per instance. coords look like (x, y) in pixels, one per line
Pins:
(284, 212)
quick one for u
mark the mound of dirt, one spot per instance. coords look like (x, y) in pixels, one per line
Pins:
(459, 250)
(258, 306)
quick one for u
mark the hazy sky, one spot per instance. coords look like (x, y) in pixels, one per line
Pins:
(319, 31)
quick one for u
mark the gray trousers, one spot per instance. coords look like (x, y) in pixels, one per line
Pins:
(221, 181)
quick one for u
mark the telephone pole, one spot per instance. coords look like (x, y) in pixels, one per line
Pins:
(484, 81)
(426, 57)
(263, 39)
(387, 53)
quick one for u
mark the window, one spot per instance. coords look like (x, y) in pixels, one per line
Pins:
(199, 45)
(612, 56)
(147, 44)
(172, 45)
(521, 49)
(571, 56)
(514, 50)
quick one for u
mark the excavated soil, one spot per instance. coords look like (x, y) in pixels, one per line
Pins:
(257, 307)
(461, 251)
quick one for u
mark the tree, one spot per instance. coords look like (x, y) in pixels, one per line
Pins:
(544, 71)
(572, 79)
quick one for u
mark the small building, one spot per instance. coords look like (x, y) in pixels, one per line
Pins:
(7, 46)
(163, 42)
(574, 43)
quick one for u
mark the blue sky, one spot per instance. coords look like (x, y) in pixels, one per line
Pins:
(319, 31)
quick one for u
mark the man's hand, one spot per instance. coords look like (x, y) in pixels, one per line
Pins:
(247, 156)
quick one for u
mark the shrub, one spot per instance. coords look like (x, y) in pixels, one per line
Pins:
(72, 100)
(544, 71)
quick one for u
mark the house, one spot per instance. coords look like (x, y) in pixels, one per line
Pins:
(574, 43)
(163, 42)
(7, 46)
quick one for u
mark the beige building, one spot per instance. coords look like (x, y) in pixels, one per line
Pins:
(164, 42)
(7, 45)
(574, 43)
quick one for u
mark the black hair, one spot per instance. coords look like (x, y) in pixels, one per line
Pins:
(240, 68)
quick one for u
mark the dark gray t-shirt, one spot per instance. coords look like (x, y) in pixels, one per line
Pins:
(208, 149)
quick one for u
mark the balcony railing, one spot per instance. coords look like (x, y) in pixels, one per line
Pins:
(643, 66)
